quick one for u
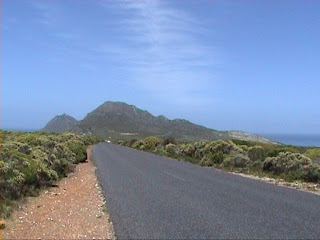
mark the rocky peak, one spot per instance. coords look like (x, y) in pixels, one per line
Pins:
(60, 123)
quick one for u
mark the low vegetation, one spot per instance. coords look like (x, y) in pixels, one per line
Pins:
(32, 161)
(278, 161)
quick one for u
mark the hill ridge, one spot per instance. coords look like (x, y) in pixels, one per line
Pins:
(118, 119)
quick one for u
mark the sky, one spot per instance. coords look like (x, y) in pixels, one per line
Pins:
(227, 65)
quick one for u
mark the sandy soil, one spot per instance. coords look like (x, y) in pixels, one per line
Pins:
(75, 209)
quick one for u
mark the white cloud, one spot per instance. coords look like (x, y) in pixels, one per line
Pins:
(48, 12)
(53, 16)
(164, 48)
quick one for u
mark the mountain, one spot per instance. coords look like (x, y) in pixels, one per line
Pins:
(118, 119)
(60, 123)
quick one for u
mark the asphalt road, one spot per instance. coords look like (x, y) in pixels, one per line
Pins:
(150, 197)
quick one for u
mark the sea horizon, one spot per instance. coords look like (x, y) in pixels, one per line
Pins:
(305, 140)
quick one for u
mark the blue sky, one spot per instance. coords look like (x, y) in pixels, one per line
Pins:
(245, 65)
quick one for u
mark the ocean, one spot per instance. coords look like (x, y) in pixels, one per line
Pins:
(308, 140)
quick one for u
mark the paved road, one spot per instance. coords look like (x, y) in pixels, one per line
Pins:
(155, 197)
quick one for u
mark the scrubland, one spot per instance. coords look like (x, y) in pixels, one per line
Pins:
(32, 161)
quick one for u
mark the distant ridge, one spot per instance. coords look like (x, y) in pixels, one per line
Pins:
(119, 119)
(60, 123)
(114, 118)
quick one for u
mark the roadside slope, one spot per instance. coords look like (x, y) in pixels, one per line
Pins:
(73, 210)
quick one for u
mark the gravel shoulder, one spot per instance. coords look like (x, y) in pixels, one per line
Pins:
(75, 209)
(298, 185)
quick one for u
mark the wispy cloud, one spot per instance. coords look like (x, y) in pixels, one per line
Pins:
(65, 42)
(53, 16)
(164, 48)
(48, 13)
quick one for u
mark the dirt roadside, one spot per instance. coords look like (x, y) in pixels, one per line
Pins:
(75, 209)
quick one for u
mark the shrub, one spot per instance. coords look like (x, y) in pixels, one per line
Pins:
(199, 149)
(235, 148)
(24, 148)
(293, 166)
(142, 147)
(160, 150)
(187, 150)
(199, 153)
(80, 152)
(226, 161)
(30, 161)
(239, 161)
(311, 173)
(211, 158)
(171, 148)
(137, 144)
(256, 153)
(217, 157)
(217, 146)
(206, 161)
(151, 142)
(245, 148)
(286, 162)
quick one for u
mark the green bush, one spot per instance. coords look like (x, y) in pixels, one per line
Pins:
(160, 150)
(217, 146)
(245, 148)
(80, 152)
(235, 148)
(211, 158)
(311, 173)
(187, 150)
(226, 147)
(171, 148)
(206, 161)
(142, 147)
(151, 142)
(293, 166)
(217, 157)
(286, 162)
(239, 161)
(256, 153)
(199, 149)
(137, 144)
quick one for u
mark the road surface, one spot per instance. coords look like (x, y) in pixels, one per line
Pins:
(150, 197)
